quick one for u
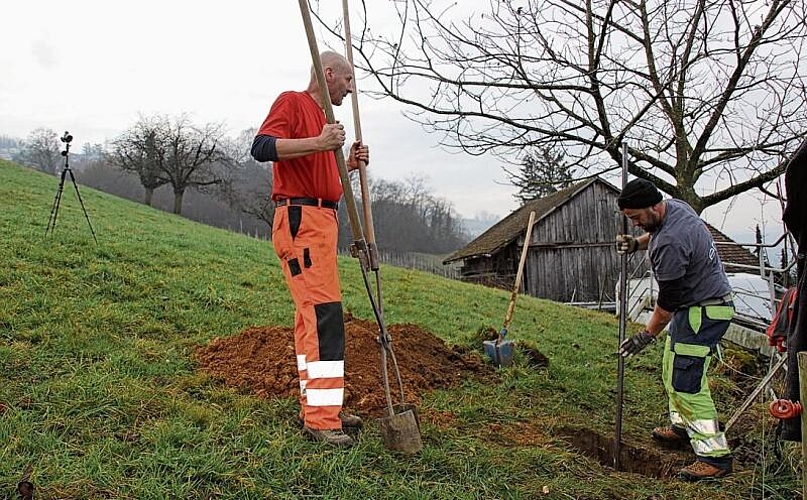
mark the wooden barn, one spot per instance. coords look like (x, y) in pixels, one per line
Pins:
(571, 256)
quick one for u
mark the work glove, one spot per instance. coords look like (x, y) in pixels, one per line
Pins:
(626, 243)
(636, 344)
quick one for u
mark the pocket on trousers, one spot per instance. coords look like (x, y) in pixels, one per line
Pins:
(720, 313)
(687, 374)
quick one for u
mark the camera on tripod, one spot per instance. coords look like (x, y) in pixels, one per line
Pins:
(66, 138)
(54, 210)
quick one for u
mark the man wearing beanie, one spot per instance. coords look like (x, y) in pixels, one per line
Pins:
(695, 299)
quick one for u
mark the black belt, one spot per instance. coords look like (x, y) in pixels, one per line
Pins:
(716, 301)
(310, 202)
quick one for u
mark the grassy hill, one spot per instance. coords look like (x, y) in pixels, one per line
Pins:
(100, 394)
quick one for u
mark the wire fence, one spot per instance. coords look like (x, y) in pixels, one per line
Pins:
(420, 261)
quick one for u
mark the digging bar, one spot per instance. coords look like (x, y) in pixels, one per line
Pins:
(623, 323)
(501, 350)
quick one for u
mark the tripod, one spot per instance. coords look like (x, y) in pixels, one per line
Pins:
(54, 211)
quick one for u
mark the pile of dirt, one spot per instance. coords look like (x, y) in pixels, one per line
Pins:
(261, 360)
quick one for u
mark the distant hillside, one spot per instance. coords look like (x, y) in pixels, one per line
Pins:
(475, 227)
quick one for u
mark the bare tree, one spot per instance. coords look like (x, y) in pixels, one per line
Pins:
(409, 218)
(164, 151)
(249, 189)
(193, 159)
(42, 150)
(703, 91)
(142, 150)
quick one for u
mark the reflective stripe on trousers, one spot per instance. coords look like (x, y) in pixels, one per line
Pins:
(305, 240)
(694, 334)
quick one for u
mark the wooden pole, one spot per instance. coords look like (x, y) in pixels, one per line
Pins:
(367, 209)
(803, 397)
(352, 210)
(519, 273)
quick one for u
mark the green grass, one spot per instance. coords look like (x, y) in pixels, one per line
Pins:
(99, 391)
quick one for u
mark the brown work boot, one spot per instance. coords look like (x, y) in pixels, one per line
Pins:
(350, 422)
(702, 470)
(333, 437)
(671, 436)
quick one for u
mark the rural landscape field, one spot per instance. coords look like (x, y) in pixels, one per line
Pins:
(109, 386)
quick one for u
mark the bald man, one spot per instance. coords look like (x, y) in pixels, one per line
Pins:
(306, 188)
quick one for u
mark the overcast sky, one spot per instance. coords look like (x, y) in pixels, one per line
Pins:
(93, 67)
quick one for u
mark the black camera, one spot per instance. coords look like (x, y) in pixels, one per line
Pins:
(66, 137)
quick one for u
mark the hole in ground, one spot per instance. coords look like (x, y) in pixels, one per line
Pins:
(662, 464)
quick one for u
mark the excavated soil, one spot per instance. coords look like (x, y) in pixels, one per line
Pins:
(261, 360)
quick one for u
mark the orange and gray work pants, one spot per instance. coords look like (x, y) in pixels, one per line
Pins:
(694, 334)
(305, 240)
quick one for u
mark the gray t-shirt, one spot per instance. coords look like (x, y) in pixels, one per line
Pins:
(682, 248)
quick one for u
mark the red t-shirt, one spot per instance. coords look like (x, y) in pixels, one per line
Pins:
(296, 115)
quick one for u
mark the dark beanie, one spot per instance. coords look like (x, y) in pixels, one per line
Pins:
(638, 193)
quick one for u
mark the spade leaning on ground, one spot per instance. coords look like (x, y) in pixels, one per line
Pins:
(306, 189)
(695, 299)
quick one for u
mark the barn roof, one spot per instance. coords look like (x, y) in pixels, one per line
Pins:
(511, 227)
(733, 254)
(508, 229)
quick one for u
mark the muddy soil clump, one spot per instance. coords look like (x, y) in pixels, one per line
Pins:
(261, 361)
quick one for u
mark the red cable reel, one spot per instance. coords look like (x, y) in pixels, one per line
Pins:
(784, 409)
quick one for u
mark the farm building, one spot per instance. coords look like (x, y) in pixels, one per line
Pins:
(571, 256)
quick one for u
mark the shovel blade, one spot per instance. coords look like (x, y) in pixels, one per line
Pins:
(400, 432)
(500, 353)
(402, 407)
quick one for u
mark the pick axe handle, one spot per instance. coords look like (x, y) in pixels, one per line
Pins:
(517, 285)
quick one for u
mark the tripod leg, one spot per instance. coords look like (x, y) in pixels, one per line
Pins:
(54, 209)
(81, 202)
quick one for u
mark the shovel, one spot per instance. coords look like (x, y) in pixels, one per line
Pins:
(501, 350)
(400, 429)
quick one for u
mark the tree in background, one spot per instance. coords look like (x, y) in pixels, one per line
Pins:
(193, 159)
(408, 218)
(542, 173)
(702, 92)
(164, 151)
(249, 189)
(42, 150)
(142, 150)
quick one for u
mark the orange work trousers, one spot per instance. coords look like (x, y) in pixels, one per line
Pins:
(305, 240)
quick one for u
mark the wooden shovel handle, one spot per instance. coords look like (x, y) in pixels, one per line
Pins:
(369, 229)
(352, 210)
(511, 307)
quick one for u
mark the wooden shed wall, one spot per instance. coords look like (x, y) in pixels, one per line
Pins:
(572, 256)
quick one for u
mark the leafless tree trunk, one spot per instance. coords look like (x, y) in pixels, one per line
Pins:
(709, 94)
